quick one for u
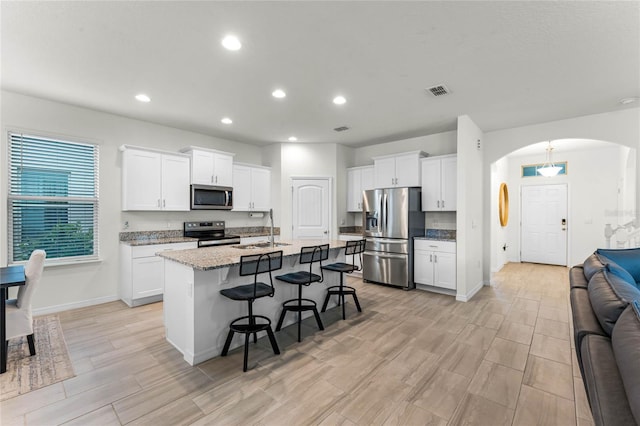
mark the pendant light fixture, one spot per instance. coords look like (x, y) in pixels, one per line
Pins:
(548, 169)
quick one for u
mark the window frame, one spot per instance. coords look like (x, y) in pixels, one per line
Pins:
(70, 200)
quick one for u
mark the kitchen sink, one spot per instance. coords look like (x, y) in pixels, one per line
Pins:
(260, 245)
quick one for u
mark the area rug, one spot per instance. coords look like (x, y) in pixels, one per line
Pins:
(50, 365)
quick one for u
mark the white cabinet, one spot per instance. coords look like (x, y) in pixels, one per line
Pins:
(142, 272)
(397, 170)
(358, 260)
(434, 263)
(358, 179)
(154, 180)
(210, 167)
(439, 183)
(251, 188)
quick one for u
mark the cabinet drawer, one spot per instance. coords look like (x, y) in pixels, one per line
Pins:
(435, 245)
(151, 250)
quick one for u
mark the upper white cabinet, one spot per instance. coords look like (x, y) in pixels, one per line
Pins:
(397, 170)
(154, 180)
(251, 188)
(210, 167)
(358, 179)
(439, 183)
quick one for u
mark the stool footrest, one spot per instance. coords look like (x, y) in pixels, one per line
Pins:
(296, 306)
(336, 289)
(247, 327)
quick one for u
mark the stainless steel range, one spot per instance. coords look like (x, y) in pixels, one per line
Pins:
(209, 233)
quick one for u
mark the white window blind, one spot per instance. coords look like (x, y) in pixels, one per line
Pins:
(53, 198)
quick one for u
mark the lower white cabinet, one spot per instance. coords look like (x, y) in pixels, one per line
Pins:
(434, 263)
(142, 272)
(357, 260)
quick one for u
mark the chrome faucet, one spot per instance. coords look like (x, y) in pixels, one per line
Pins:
(271, 240)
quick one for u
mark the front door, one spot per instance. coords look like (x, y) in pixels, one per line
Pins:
(544, 224)
(311, 208)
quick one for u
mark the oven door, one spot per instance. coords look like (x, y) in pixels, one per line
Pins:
(204, 197)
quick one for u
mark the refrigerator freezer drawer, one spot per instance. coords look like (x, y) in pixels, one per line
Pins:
(387, 245)
(386, 268)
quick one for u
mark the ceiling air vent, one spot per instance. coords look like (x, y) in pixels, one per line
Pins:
(439, 90)
(341, 129)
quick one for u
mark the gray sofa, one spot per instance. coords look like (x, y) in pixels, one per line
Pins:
(605, 302)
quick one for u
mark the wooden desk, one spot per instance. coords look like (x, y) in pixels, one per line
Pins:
(10, 276)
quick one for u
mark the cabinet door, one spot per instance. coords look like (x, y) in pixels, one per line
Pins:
(449, 184)
(241, 188)
(175, 183)
(260, 189)
(384, 170)
(430, 185)
(141, 180)
(222, 170)
(354, 191)
(202, 167)
(147, 276)
(423, 267)
(366, 178)
(445, 270)
(408, 170)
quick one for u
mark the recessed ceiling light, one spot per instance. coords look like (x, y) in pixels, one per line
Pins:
(226, 120)
(143, 98)
(293, 139)
(627, 101)
(278, 93)
(339, 100)
(231, 42)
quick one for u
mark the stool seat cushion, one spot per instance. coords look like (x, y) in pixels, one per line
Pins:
(340, 267)
(300, 277)
(245, 292)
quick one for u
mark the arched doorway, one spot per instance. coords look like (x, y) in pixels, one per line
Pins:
(601, 183)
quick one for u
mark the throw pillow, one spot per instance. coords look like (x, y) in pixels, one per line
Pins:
(628, 259)
(626, 344)
(609, 296)
(617, 270)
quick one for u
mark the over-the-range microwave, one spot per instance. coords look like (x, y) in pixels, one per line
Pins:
(206, 197)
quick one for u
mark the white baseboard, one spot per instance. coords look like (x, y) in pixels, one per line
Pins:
(74, 305)
(470, 294)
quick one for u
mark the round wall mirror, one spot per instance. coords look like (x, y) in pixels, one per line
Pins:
(503, 204)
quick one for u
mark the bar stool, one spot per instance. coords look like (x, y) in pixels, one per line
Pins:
(308, 255)
(352, 248)
(255, 265)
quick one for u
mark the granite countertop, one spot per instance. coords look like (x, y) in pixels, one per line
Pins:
(435, 239)
(207, 258)
(148, 241)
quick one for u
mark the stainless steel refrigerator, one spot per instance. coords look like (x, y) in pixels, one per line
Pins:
(391, 218)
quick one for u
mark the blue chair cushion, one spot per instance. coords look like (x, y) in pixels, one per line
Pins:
(300, 277)
(245, 292)
(628, 259)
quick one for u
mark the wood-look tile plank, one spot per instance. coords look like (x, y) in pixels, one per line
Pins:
(442, 393)
(405, 413)
(536, 407)
(508, 353)
(550, 376)
(475, 410)
(516, 332)
(104, 416)
(551, 328)
(22, 404)
(497, 383)
(551, 348)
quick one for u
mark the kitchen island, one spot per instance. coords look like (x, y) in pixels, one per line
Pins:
(197, 316)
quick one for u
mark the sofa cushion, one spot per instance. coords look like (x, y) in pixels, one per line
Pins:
(605, 390)
(628, 259)
(609, 296)
(591, 265)
(577, 278)
(626, 348)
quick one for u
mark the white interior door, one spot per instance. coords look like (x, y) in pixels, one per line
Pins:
(544, 224)
(311, 208)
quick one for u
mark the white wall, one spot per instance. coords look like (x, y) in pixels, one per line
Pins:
(436, 144)
(592, 197)
(306, 160)
(67, 286)
(622, 127)
(499, 174)
(470, 215)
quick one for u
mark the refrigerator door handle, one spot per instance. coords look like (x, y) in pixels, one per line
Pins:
(386, 214)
